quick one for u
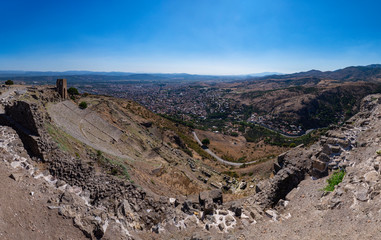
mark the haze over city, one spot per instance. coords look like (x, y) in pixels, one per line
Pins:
(200, 37)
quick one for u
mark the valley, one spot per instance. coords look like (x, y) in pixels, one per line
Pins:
(190, 120)
(120, 170)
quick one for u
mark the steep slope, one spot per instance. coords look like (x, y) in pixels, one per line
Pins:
(293, 204)
(352, 210)
(310, 107)
(92, 189)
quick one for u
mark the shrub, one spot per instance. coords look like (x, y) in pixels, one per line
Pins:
(234, 134)
(336, 178)
(241, 129)
(205, 141)
(187, 151)
(9, 82)
(231, 174)
(379, 152)
(292, 145)
(114, 171)
(99, 153)
(73, 91)
(83, 105)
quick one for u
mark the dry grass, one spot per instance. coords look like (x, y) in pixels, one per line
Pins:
(237, 149)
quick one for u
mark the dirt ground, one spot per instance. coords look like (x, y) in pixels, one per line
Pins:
(27, 216)
(237, 147)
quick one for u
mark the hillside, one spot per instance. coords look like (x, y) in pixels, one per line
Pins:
(118, 171)
(307, 100)
(354, 73)
(308, 106)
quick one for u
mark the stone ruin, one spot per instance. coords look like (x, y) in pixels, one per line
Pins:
(62, 87)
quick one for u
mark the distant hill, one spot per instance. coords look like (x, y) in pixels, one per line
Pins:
(264, 74)
(353, 73)
(89, 76)
(370, 73)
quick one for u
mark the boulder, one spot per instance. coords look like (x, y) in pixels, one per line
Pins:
(67, 198)
(362, 194)
(344, 143)
(319, 165)
(371, 176)
(335, 149)
(272, 214)
(292, 194)
(236, 208)
(277, 167)
(208, 207)
(327, 149)
(17, 176)
(243, 185)
(215, 195)
(221, 227)
(281, 159)
(324, 157)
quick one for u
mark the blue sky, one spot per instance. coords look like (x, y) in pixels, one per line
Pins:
(195, 36)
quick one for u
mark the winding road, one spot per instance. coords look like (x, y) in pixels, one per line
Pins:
(217, 157)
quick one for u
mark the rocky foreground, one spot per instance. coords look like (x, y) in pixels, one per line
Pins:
(290, 205)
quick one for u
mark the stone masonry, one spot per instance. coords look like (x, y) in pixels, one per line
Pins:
(62, 87)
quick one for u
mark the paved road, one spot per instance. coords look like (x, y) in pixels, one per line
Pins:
(217, 157)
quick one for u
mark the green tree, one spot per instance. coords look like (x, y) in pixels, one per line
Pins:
(83, 105)
(73, 91)
(234, 134)
(205, 141)
(9, 82)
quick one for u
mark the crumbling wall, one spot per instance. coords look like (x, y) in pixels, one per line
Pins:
(290, 169)
(23, 113)
(25, 118)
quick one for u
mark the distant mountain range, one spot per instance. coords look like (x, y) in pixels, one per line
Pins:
(353, 73)
(130, 75)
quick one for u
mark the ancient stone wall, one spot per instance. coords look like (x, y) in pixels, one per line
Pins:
(62, 88)
(22, 114)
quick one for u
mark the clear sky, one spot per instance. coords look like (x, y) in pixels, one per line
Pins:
(193, 36)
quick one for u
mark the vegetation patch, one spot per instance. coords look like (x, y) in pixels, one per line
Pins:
(72, 91)
(336, 178)
(63, 140)
(205, 141)
(194, 145)
(231, 174)
(9, 82)
(115, 168)
(82, 105)
(379, 152)
(257, 133)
